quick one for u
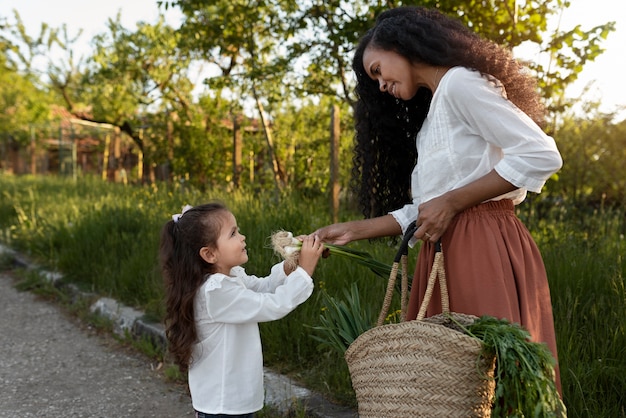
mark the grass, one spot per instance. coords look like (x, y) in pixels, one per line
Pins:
(104, 238)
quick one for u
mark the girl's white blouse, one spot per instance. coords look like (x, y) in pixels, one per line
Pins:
(226, 372)
(471, 128)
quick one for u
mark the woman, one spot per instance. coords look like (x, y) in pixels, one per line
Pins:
(462, 114)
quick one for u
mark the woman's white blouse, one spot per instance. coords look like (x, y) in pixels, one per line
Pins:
(226, 373)
(471, 128)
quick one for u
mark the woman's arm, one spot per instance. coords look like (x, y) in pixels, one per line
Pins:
(345, 232)
(436, 214)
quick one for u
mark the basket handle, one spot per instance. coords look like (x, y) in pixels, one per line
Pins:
(437, 271)
(400, 259)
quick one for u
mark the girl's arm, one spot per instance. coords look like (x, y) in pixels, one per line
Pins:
(232, 302)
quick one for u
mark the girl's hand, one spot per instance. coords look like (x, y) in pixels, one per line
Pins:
(310, 253)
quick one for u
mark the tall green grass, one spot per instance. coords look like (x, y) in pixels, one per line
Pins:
(104, 237)
(584, 256)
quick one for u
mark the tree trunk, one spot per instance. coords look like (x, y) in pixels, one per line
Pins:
(237, 146)
(276, 169)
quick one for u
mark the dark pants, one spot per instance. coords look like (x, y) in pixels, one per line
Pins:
(203, 415)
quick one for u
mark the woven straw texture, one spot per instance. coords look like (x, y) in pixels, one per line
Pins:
(421, 368)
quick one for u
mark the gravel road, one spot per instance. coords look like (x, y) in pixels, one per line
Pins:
(51, 366)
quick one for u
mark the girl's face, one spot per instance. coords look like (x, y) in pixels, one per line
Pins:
(230, 250)
(395, 74)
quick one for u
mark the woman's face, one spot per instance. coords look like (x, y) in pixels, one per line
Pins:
(395, 74)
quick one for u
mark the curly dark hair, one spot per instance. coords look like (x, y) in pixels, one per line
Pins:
(184, 271)
(386, 127)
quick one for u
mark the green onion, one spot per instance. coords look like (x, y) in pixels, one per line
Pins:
(524, 375)
(288, 247)
(525, 385)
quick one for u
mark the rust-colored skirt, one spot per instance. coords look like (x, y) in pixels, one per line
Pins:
(493, 267)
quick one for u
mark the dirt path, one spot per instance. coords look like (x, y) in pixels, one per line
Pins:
(51, 366)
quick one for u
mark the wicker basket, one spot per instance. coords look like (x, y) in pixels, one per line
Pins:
(420, 368)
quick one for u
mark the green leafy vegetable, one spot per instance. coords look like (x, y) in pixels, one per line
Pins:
(288, 247)
(524, 375)
(525, 385)
(342, 321)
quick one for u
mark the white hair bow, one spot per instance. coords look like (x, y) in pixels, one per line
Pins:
(177, 216)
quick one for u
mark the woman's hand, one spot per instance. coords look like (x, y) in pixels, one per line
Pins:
(434, 218)
(345, 232)
(338, 234)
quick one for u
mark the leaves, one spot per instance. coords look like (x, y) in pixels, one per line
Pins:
(361, 257)
(342, 321)
(525, 385)
(284, 244)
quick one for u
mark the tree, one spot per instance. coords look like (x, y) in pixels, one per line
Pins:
(569, 51)
(23, 100)
(240, 39)
(130, 74)
(303, 49)
(275, 56)
(132, 78)
(594, 149)
(337, 25)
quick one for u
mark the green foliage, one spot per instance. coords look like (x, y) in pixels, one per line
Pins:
(301, 138)
(145, 345)
(173, 373)
(584, 257)
(105, 237)
(32, 281)
(6, 260)
(569, 51)
(21, 103)
(289, 60)
(593, 149)
(342, 321)
(524, 370)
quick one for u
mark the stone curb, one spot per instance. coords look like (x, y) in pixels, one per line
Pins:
(281, 392)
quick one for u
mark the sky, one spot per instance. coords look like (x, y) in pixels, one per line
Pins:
(603, 78)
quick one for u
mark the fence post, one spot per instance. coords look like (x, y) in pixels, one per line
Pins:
(140, 159)
(33, 151)
(237, 147)
(105, 156)
(334, 162)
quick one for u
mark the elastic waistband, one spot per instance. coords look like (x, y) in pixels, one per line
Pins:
(504, 206)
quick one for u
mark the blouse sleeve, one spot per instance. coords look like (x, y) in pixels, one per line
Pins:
(530, 156)
(233, 302)
(262, 284)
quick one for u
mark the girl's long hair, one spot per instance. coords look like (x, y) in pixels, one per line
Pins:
(184, 271)
(386, 127)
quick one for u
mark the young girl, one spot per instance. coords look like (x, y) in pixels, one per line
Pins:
(213, 307)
